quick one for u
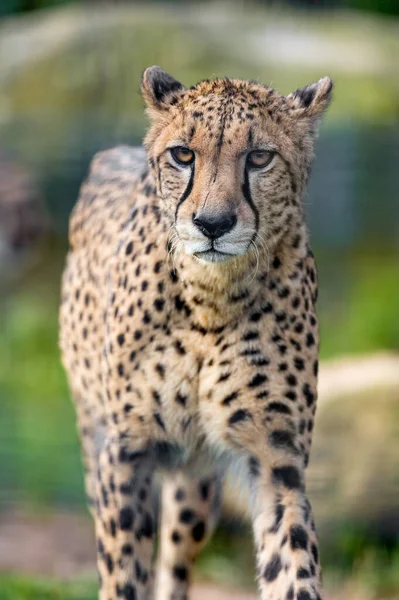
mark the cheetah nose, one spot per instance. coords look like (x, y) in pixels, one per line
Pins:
(215, 226)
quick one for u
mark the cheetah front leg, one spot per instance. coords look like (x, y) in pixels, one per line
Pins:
(190, 507)
(124, 522)
(285, 538)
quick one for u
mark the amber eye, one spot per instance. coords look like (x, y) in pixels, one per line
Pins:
(259, 158)
(184, 156)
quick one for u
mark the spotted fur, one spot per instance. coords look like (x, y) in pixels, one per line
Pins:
(190, 337)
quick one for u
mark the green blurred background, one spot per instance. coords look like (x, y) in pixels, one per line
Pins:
(69, 75)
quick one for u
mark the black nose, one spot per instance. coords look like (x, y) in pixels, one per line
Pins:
(215, 226)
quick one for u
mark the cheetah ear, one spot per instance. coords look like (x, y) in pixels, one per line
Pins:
(158, 88)
(312, 100)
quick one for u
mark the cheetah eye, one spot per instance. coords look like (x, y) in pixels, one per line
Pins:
(260, 158)
(183, 156)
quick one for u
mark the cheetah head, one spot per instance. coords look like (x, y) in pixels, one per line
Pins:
(231, 159)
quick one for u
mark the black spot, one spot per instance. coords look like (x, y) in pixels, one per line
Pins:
(276, 262)
(198, 531)
(160, 369)
(127, 549)
(179, 347)
(259, 361)
(138, 570)
(298, 537)
(290, 593)
(281, 316)
(239, 415)
(126, 488)
(159, 304)
(288, 476)
(180, 399)
(291, 395)
(158, 266)
(295, 303)
(126, 455)
(278, 407)
(291, 379)
(176, 537)
(299, 363)
(273, 568)
(279, 513)
(315, 553)
(109, 563)
(283, 439)
(303, 595)
(255, 317)
(303, 573)
(187, 516)
(121, 369)
(156, 396)
(307, 392)
(146, 528)
(112, 527)
(180, 572)
(257, 380)
(180, 495)
(283, 292)
(267, 307)
(229, 398)
(126, 518)
(250, 335)
(121, 339)
(254, 466)
(204, 490)
(310, 341)
(129, 592)
(159, 420)
(223, 377)
(173, 276)
(129, 248)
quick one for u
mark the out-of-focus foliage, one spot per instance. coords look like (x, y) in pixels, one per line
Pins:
(388, 7)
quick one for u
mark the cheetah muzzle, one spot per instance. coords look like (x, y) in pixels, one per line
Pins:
(189, 333)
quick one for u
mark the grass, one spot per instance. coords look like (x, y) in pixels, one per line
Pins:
(15, 587)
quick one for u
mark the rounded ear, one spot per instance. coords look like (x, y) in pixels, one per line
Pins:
(158, 88)
(311, 100)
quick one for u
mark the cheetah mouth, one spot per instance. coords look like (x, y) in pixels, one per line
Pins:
(213, 256)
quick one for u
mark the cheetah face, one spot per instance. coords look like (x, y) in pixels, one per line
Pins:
(231, 160)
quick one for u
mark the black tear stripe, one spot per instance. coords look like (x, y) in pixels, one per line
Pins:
(187, 191)
(246, 190)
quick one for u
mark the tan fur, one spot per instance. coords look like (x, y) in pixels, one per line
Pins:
(191, 364)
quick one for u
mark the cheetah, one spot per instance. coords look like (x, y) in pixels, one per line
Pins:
(189, 333)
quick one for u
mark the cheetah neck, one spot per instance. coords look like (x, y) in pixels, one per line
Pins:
(218, 294)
